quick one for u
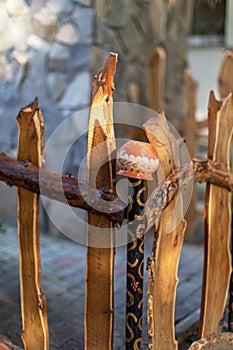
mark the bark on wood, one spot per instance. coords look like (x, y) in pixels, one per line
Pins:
(157, 76)
(33, 303)
(157, 132)
(100, 236)
(199, 170)
(163, 262)
(26, 175)
(217, 265)
(41, 181)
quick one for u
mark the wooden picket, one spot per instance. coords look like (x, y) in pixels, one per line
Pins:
(225, 76)
(156, 75)
(191, 87)
(33, 303)
(218, 221)
(100, 237)
(164, 260)
(225, 86)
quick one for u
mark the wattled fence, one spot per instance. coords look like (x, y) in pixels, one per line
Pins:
(163, 207)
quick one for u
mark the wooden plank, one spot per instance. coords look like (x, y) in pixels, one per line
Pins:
(191, 88)
(225, 76)
(100, 237)
(217, 266)
(33, 303)
(225, 86)
(156, 74)
(163, 262)
(190, 136)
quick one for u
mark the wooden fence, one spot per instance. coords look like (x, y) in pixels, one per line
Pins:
(163, 208)
(195, 132)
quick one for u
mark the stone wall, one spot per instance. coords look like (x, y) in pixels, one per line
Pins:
(126, 27)
(52, 49)
(45, 51)
(133, 28)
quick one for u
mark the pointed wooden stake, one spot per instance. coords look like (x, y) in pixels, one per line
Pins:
(33, 304)
(156, 74)
(100, 236)
(190, 135)
(225, 77)
(163, 263)
(225, 86)
(217, 267)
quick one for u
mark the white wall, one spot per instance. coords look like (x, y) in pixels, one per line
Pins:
(204, 64)
(229, 23)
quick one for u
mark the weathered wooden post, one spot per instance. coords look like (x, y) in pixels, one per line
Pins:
(168, 239)
(157, 77)
(225, 76)
(137, 161)
(99, 308)
(190, 134)
(225, 86)
(217, 264)
(33, 303)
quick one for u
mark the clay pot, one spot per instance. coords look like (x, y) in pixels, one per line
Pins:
(137, 160)
(218, 341)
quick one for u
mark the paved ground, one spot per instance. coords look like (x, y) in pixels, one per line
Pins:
(63, 268)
